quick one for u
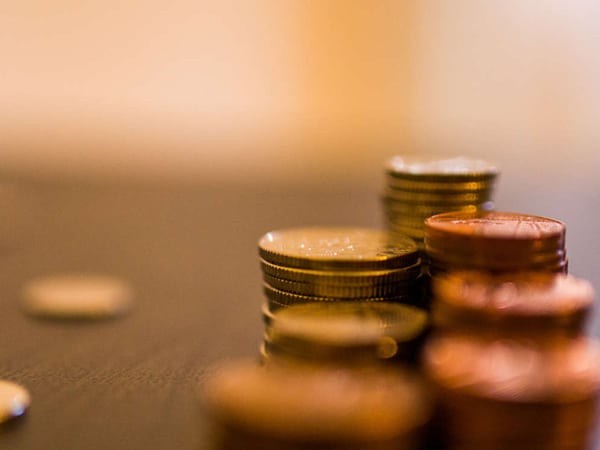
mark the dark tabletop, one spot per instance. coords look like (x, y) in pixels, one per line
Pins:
(190, 254)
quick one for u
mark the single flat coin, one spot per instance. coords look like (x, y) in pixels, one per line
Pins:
(437, 168)
(14, 400)
(344, 323)
(436, 199)
(530, 301)
(496, 225)
(344, 278)
(77, 296)
(283, 298)
(324, 248)
(339, 290)
(395, 182)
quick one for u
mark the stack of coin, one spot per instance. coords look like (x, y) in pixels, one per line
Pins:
(506, 357)
(325, 264)
(495, 242)
(535, 306)
(344, 333)
(501, 394)
(307, 407)
(419, 187)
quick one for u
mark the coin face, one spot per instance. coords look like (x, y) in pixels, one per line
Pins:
(76, 296)
(496, 225)
(338, 248)
(439, 166)
(14, 400)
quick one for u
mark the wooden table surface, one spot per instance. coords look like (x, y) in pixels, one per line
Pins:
(190, 254)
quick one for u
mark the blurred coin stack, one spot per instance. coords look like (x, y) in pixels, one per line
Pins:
(509, 361)
(306, 408)
(495, 242)
(339, 295)
(419, 187)
(350, 334)
(329, 264)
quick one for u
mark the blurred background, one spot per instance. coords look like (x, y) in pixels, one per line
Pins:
(307, 94)
(303, 92)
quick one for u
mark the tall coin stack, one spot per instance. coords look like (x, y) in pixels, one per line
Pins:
(419, 187)
(495, 242)
(509, 361)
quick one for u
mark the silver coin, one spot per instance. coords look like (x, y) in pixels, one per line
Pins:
(14, 400)
(76, 296)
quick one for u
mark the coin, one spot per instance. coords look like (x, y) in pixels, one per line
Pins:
(440, 199)
(340, 291)
(517, 303)
(319, 406)
(283, 298)
(435, 168)
(497, 392)
(76, 296)
(442, 186)
(14, 400)
(325, 248)
(494, 240)
(340, 332)
(343, 277)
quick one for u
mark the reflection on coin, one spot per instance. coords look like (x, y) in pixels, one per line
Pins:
(14, 400)
(325, 248)
(76, 296)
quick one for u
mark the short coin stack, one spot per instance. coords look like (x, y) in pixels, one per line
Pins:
(350, 334)
(325, 264)
(419, 187)
(305, 408)
(509, 361)
(495, 242)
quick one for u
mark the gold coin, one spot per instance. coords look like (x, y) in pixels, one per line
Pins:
(325, 248)
(349, 322)
(344, 278)
(282, 298)
(463, 198)
(340, 291)
(396, 182)
(438, 168)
